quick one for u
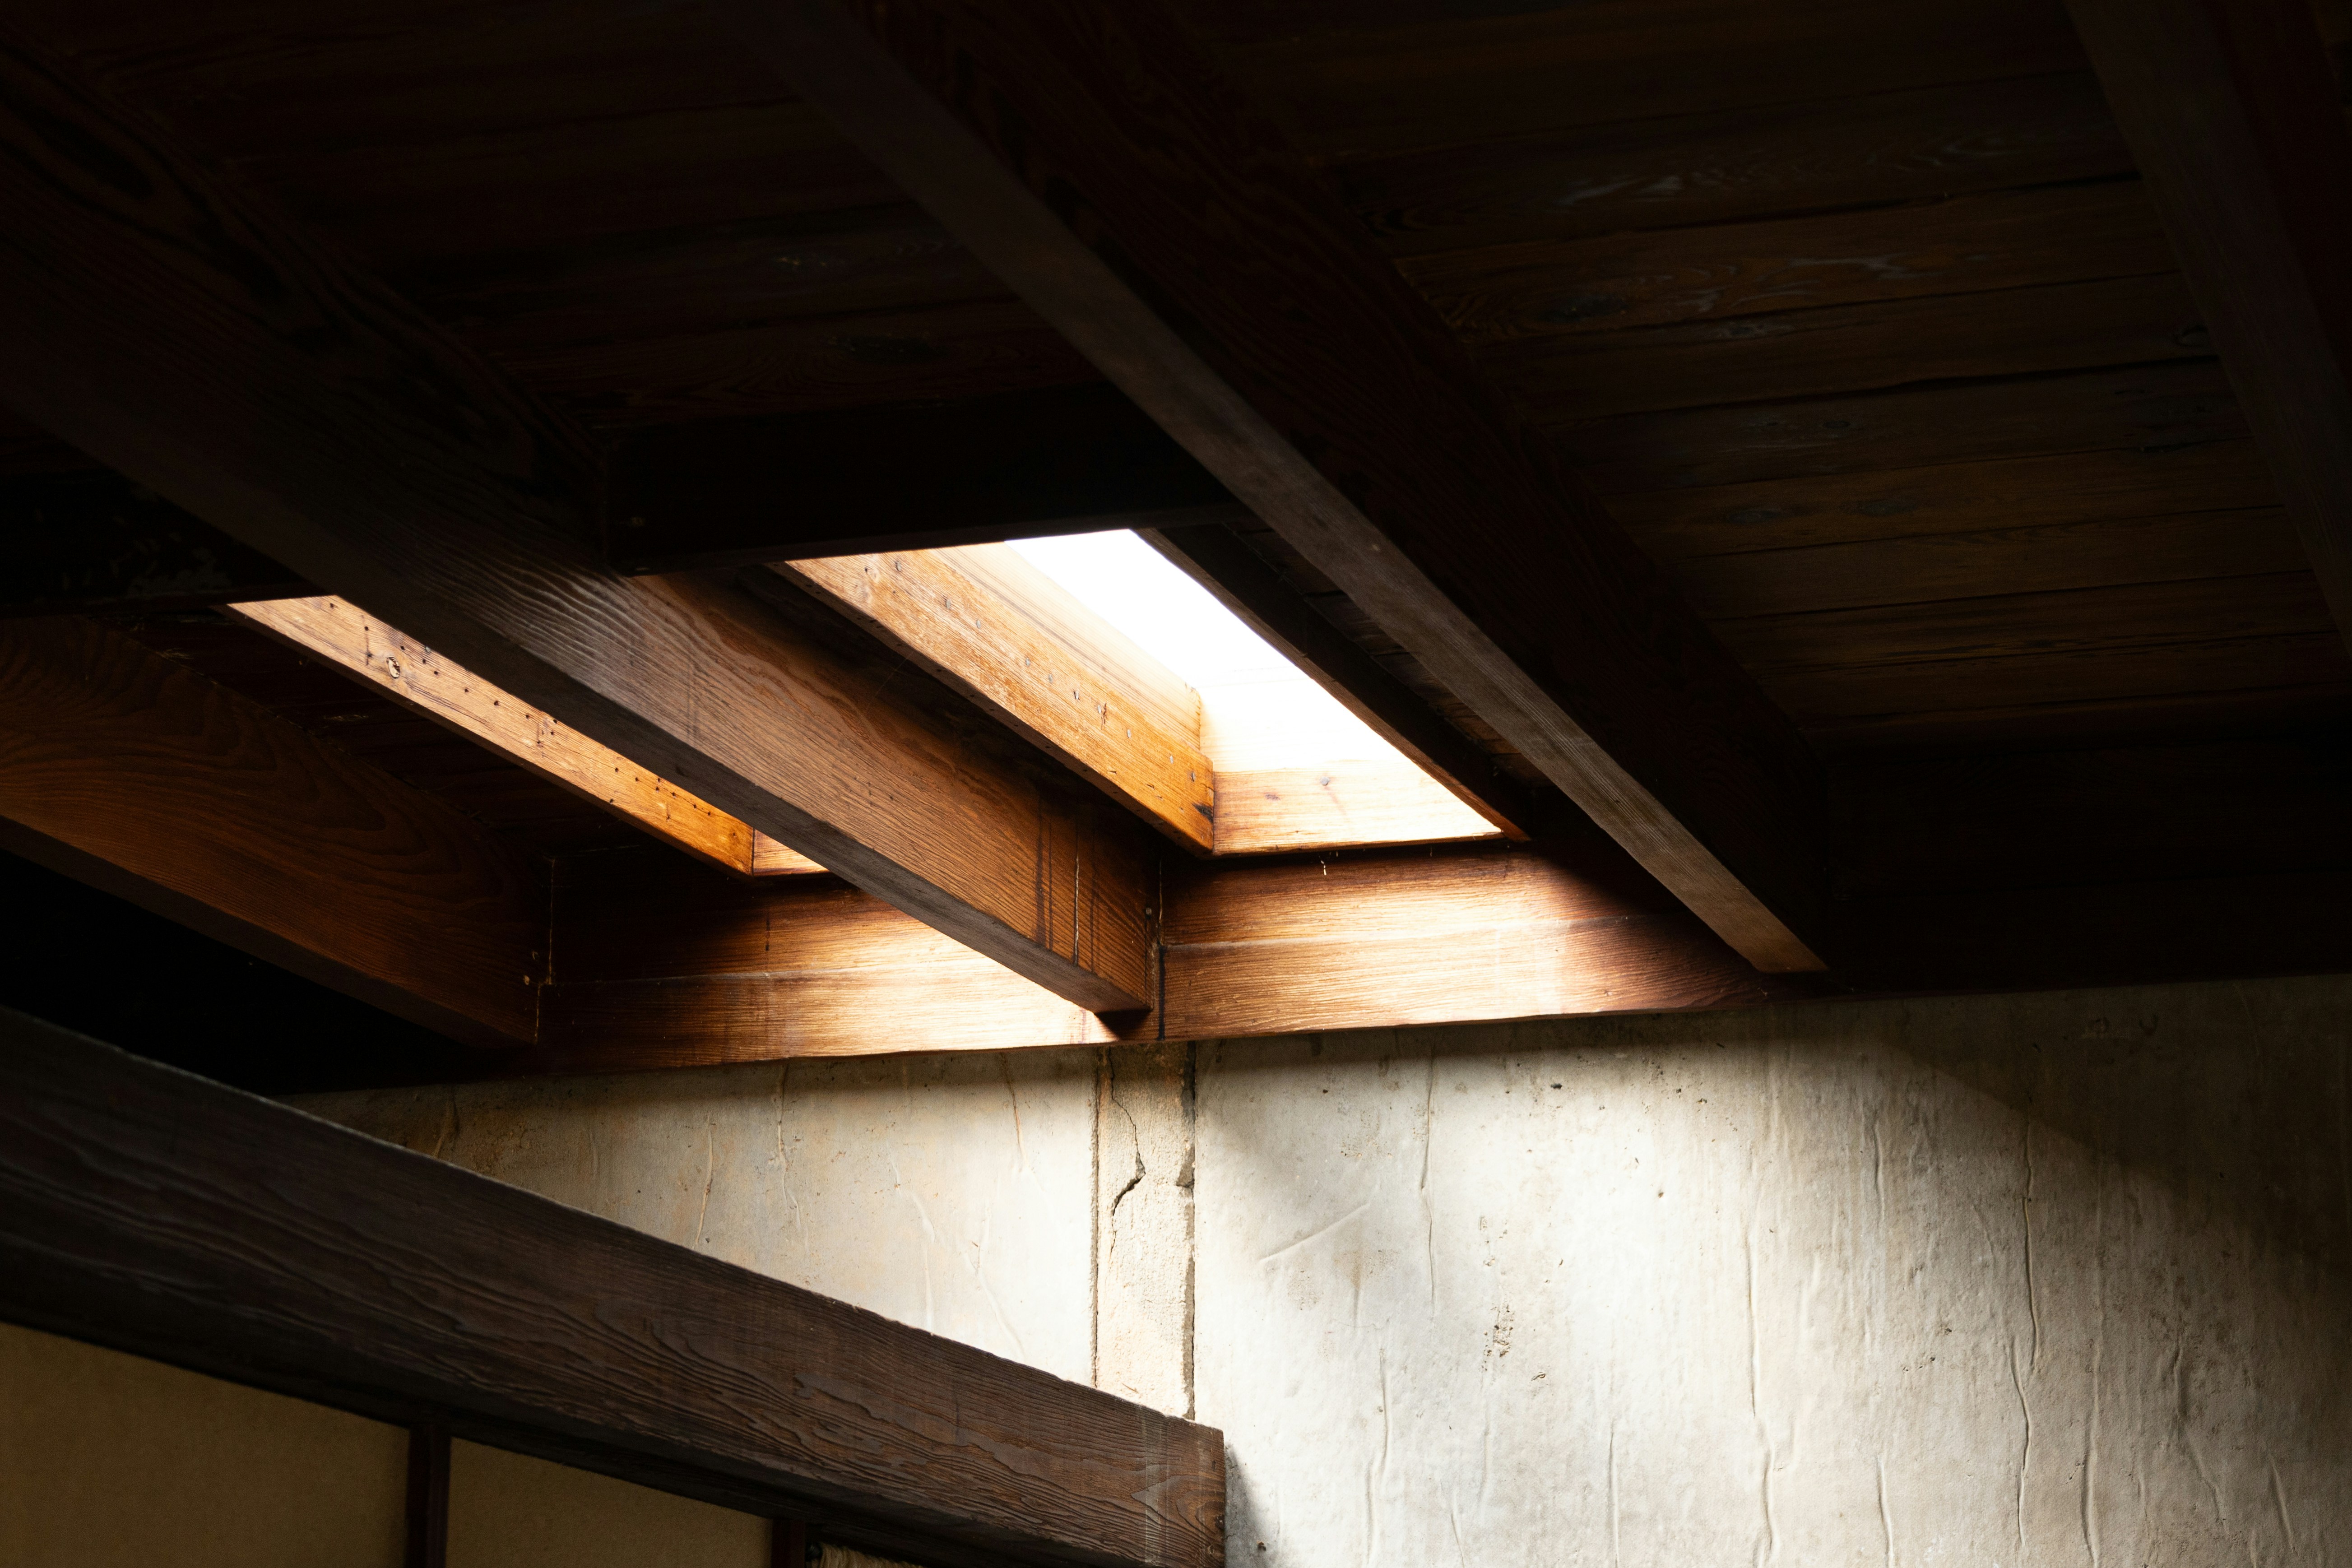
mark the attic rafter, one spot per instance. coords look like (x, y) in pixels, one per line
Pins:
(2235, 118)
(1242, 307)
(177, 329)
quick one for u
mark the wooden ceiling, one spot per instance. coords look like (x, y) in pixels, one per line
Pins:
(1802, 409)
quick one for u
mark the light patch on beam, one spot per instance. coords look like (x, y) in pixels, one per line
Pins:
(1295, 768)
(415, 676)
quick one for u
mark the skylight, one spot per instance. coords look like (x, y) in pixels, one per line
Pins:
(1272, 731)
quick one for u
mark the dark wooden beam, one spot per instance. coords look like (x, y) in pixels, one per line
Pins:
(735, 492)
(154, 1212)
(95, 542)
(1215, 557)
(173, 327)
(2232, 113)
(1094, 162)
(661, 964)
(125, 770)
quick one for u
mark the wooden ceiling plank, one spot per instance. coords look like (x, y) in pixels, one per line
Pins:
(1423, 500)
(1959, 496)
(2151, 409)
(1839, 350)
(162, 1215)
(1618, 283)
(1926, 568)
(131, 772)
(2233, 114)
(1731, 165)
(424, 682)
(176, 329)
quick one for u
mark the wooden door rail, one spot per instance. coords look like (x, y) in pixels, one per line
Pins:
(172, 1217)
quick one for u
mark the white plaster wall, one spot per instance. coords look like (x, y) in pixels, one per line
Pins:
(2021, 1281)
(954, 1192)
(1999, 1282)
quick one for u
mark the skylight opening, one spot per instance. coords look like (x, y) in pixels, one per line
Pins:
(1295, 768)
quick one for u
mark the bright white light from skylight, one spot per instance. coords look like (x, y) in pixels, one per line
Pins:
(1293, 765)
(1167, 614)
(1257, 709)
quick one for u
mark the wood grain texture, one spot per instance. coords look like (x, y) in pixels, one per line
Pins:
(175, 328)
(2239, 126)
(2050, 558)
(994, 627)
(1552, 288)
(2082, 620)
(125, 769)
(95, 544)
(1336, 803)
(2149, 409)
(177, 1219)
(691, 969)
(1381, 939)
(1841, 349)
(1022, 133)
(421, 679)
(1245, 583)
(1729, 166)
(2121, 482)
(741, 492)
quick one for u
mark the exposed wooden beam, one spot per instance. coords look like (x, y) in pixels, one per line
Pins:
(738, 492)
(664, 965)
(126, 770)
(172, 326)
(985, 621)
(93, 543)
(2233, 114)
(1214, 556)
(661, 966)
(1092, 161)
(415, 677)
(154, 1212)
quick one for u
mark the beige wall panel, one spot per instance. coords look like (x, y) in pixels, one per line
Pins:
(510, 1511)
(952, 1192)
(110, 1461)
(2041, 1279)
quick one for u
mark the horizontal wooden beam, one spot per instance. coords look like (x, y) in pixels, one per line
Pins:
(418, 679)
(990, 625)
(1212, 555)
(1097, 163)
(173, 326)
(659, 965)
(733, 492)
(154, 1212)
(95, 544)
(128, 771)
(2238, 127)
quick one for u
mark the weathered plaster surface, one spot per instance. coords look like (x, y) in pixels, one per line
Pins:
(1997, 1281)
(1143, 1227)
(2020, 1280)
(954, 1192)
